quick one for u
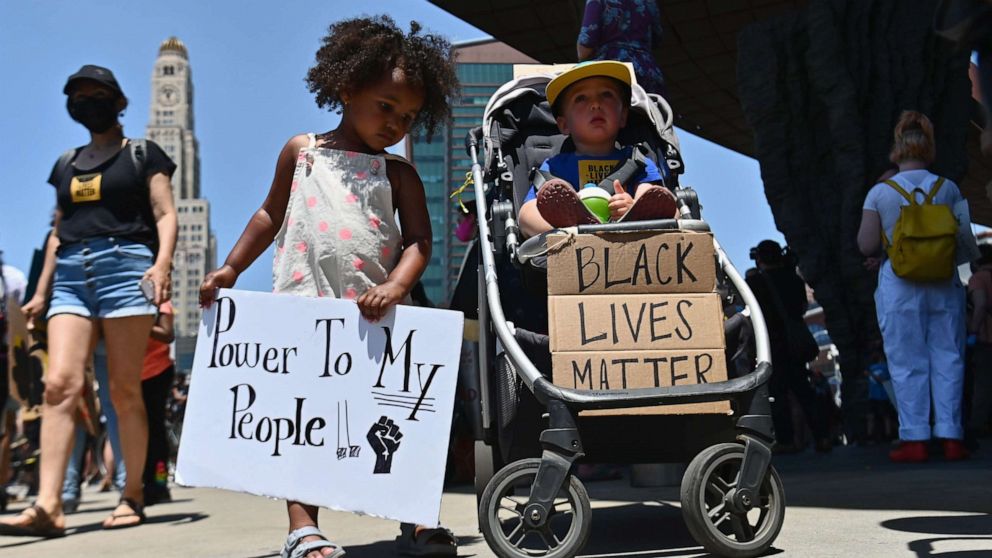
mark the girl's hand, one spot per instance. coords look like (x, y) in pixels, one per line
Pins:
(222, 278)
(620, 201)
(375, 302)
(162, 277)
(33, 308)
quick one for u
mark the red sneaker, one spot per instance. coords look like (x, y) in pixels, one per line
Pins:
(954, 450)
(560, 206)
(656, 202)
(910, 452)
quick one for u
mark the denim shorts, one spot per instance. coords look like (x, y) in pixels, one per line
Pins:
(99, 277)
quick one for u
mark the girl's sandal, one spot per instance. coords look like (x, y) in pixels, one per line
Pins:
(137, 510)
(296, 548)
(41, 525)
(428, 542)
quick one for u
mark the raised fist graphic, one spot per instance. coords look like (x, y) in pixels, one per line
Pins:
(384, 437)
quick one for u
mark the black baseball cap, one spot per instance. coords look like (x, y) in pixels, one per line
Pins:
(767, 251)
(98, 74)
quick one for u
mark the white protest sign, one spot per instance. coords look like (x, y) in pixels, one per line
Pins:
(302, 399)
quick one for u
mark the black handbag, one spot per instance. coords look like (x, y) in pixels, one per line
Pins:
(802, 345)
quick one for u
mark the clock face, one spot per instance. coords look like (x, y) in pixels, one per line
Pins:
(168, 95)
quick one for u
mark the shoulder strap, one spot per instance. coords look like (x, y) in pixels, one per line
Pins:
(901, 191)
(397, 158)
(62, 165)
(538, 177)
(137, 149)
(311, 140)
(624, 172)
(934, 190)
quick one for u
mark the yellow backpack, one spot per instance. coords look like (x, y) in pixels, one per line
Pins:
(924, 238)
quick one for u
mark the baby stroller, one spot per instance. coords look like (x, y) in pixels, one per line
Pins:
(528, 437)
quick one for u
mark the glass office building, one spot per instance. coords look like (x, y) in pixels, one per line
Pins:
(483, 66)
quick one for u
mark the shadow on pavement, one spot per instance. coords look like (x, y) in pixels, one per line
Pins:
(943, 525)
(969, 528)
(924, 548)
(176, 519)
(848, 478)
(669, 537)
(857, 479)
(864, 479)
(387, 548)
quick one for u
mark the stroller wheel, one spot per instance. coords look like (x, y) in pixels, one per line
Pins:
(501, 515)
(708, 480)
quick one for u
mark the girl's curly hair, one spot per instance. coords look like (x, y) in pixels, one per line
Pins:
(358, 52)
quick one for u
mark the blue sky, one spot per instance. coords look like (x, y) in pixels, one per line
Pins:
(248, 61)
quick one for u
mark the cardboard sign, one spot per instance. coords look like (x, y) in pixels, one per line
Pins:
(643, 369)
(302, 399)
(631, 263)
(642, 322)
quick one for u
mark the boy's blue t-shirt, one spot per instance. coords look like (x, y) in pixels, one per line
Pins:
(578, 169)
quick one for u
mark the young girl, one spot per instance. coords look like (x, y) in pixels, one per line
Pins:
(332, 204)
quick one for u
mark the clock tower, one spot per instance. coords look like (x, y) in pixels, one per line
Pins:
(170, 119)
(170, 124)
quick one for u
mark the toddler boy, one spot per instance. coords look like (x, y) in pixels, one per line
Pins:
(591, 103)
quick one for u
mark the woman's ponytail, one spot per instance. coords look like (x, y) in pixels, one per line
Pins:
(913, 139)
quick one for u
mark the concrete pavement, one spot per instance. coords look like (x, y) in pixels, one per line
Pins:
(848, 503)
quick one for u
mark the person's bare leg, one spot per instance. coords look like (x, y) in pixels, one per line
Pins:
(303, 515)
(126, 340)
(10, 432)
(70, 341)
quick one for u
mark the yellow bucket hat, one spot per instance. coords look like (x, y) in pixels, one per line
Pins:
(598, 68)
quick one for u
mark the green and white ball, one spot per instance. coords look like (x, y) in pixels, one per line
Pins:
(597, 201)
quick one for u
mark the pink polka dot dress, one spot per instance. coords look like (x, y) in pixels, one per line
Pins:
(339, 237)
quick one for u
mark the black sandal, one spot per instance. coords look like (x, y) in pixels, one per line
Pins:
(41, 526)
(137, 510)
(436, 542)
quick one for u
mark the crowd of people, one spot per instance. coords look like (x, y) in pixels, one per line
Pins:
(337, 201)
(928, 374)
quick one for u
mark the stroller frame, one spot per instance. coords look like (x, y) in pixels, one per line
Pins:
(561, 441)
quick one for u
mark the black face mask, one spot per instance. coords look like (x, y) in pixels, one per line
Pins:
(98, 114)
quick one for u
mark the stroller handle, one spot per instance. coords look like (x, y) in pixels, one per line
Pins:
(472, 139)
(533, 378)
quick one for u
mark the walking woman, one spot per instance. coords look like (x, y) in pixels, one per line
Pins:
(922, 322)
(108, 265)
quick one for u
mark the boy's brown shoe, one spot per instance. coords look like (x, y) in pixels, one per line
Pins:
(561, 207)
(656, 202)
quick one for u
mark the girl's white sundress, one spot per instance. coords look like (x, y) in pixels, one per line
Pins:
(339, 237)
